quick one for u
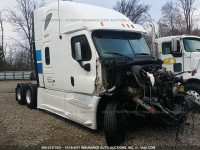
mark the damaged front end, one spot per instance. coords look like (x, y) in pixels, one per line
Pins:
(147, 87)
(132, 84)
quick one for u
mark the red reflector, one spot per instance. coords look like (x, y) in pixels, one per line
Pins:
(152, 111)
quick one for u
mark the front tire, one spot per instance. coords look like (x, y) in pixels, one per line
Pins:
(31, 96)
(114, 124)
(193, 90)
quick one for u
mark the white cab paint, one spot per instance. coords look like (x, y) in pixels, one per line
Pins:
(189, 60)
(56, 92)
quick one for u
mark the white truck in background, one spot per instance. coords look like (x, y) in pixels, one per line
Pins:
(95, 68)
(180, 54)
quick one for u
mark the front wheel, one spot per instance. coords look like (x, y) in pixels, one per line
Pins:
(114, 124)
(193, 90)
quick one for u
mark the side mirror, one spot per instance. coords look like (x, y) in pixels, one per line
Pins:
(174, 44)
(176, 52)
(78, 53)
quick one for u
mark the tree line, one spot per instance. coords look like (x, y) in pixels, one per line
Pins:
(17, 53)
(177, 17)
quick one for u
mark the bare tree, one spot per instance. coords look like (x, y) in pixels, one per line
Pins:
(2, 54)
(1, 58)
(133, 10)
(10, 59)
(188, 9)
(16, 58)
(196, 31)
(21, 18)
(171, 22)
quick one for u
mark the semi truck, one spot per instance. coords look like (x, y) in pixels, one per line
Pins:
(180, 54)
(94, 68)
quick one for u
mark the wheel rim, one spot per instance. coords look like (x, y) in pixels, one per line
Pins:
(195, 95)
(19, 96)
(28, 96)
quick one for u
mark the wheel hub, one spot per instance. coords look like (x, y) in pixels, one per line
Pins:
(19, 94)
(195, 95)
(28, 96)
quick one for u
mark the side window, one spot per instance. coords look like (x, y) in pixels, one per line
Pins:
(47, 20)
(85, 47)
(178, 46)
(166, 48)
(47, 56)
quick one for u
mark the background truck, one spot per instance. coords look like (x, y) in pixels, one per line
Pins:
(180, 54)
(95, 68)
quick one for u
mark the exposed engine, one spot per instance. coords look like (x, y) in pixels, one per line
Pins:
(148, 85)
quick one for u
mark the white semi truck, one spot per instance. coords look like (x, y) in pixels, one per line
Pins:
(180, 54)
(95, 68)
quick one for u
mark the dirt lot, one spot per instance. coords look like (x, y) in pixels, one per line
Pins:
(22, 128)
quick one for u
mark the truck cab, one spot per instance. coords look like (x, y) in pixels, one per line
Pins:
(182, 54)
(94, 66)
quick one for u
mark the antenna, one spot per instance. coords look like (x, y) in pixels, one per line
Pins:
(60, 36)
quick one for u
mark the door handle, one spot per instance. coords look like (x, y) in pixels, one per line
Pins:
(72, 81)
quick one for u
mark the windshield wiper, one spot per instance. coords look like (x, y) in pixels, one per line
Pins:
(118, 54)
(141, 54)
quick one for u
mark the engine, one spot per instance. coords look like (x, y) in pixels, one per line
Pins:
(148, 85)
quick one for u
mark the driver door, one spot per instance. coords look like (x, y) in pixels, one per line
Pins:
(172, 62)
(82, 81)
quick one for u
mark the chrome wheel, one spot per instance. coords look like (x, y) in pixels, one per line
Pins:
(28, 96)
(195, 95)
(19, 96)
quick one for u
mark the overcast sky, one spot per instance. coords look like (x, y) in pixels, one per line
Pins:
(154, 11)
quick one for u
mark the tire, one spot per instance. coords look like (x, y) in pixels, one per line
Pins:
(193, 90)
(21, 93)
(31, 96)
(114, 124)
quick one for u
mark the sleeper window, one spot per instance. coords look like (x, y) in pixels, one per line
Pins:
(47, 56)
(47, 20)
(85, 47)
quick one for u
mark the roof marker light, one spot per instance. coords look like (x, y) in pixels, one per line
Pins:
(145, 28)
(132, 26)
(123, 25)
(102, 24)
(128, 25)
(195, 71)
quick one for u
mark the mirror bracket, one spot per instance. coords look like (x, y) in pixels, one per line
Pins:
(86, 67)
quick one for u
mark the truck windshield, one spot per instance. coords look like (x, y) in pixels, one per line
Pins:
(112, 44)
(192, 44)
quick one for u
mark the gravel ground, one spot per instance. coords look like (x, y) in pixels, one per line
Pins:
(22, 128)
